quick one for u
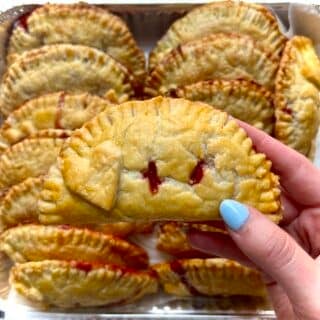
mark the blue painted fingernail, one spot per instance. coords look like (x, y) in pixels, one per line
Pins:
(234, 214)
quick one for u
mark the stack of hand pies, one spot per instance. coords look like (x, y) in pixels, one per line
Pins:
(85, 162)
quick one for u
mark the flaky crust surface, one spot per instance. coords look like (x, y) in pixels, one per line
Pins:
(242, 99)
(44, 282)
(297, 95)
(217, 56)
(36, 243)
(58, 110)
(222, 16)
(166, 159)
(209, 277)
(99, 29)
(73, 68)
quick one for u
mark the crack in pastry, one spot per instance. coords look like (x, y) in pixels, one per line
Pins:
(72, 68)
(242, 99)
(36, 243)
(29, 158)
(102, 163)
(44, 283)
(218, 56)
(58, 110)
(99, 29)
(223, 16)
(209, 277)
(297, 95)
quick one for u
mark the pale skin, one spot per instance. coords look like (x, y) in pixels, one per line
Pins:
(289, 254)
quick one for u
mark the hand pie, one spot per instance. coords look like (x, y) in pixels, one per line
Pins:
(35, 243)
(58, 110)
(222, 16)
(297, 95)
(44, 283)
(242, 99)
(218, 56)
(20, 204)
(58, 23)
(209, 277)
(29, 158)
(165, 159)
(71, 68)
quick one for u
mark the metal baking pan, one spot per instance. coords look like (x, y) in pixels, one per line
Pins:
(148, 21)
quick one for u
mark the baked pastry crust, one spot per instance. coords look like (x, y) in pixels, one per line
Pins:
(20, 204)
(166, 159)
(37, 243)
(44, 282)
(29, 158)
(297, 95)
(222, 16)
(72, 68)
(209, 277)
(99, 29)
(217, 56)
(58, 110)
(242, 99)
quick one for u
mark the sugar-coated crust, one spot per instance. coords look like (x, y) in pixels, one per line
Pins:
(73, 68)
(242, 99)
(222, 16)
(297, 95)
(58, 110)
(106, 163)
(218, 56)
(28, 158)
(99, 29)
(44, 283)
(36, 243)
(209, 277)
(19, 204)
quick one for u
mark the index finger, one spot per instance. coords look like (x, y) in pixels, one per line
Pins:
(299, 177)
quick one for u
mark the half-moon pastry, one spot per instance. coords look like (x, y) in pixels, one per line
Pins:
(297, 95)
(218, 56)
(58, 110)
(242, 99)
(29, 158)
(36, 243)
(209, 277)
(59, 23)
(166, 159)
(222, 16)
(44, 283)
(71, 68)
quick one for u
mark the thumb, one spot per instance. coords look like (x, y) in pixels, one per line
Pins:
(272, 250)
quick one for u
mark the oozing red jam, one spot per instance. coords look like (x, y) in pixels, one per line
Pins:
(22, 21)
(177, 268)
(84, 266)
(65, 226)
(60, 105)
(197, 173)
(287, 110)
(152, 175)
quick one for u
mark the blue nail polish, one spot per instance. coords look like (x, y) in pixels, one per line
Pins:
(234, 214)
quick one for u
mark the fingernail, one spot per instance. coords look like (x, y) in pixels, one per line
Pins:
(234, 214)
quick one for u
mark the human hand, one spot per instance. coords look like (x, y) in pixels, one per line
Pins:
(288, 256)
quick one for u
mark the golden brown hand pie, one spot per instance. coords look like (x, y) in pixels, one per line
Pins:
(58, 23)
(58, 110)
(209, 277)
(71, 68)
(20, 204)
(242, 99)
(222, 16)
(44, 282)
(29, 158)
(165, 159)
(297, 95)
(35, 243)
(223, 56)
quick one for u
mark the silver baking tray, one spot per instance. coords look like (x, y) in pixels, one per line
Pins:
(148, 21)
